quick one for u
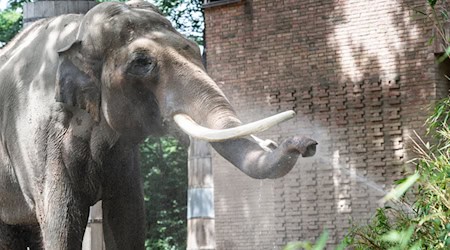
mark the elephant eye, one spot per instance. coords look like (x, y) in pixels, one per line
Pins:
(141, 65)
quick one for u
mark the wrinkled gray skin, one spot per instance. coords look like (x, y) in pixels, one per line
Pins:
(77, 95)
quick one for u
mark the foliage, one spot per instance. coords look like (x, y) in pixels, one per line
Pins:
(438, 14)
(163, 165)
(10, 24)
(11, 20)
(425, 222)
(390, 228)
(320, 244)
(440, 117)
(186, 16)
(17, 4)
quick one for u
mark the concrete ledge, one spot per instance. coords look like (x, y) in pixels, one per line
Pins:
(220, 3)
(42, 9)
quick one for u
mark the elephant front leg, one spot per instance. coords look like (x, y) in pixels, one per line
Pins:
(19, 237)
(123, 203)
(10, 238)
(62, 213)
(124, 222)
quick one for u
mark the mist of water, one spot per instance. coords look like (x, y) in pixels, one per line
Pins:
(363, 180)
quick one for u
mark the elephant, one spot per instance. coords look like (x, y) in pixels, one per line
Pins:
(78, 94)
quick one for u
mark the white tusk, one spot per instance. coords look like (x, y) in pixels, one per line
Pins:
(191, 128)
(267, 144)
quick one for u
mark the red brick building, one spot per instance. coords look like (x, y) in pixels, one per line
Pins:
(360, 75)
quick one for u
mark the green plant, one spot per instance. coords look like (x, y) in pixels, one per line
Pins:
(433, 199)
(319, 245)
(10, 24)
(186, 16)
(424, 222)
(438, 13)
(390, 228)
(164, 171)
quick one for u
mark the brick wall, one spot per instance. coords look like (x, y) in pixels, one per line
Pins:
(360, 76)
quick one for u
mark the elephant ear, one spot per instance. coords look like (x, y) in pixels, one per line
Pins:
(76, 86)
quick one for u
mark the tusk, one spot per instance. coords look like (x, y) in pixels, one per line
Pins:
(191, 128)
(267, 144)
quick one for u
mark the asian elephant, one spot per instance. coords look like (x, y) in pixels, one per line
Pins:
(78, 93)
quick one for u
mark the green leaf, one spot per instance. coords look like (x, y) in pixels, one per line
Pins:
(10, 24)
(444, 56)
(444, 14)
(400, 181)
(342, 245)
(392, 236)
(400, 189)
(432, 3)
(298, 245)
(401, 238)
(431, 40)
(322, 241)
(429, 217)
(416, 246)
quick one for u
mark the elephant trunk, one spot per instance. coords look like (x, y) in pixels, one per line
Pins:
(207, 104)
(258, 163)
(245, 154)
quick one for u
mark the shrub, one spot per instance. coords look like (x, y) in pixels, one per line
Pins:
(424, 222)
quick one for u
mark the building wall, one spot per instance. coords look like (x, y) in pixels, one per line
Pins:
(360, 76)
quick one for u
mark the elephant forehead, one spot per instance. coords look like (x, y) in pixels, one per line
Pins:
(163, 39)
(138, 20)
(132, 19)
(159, 44)
(117, 21)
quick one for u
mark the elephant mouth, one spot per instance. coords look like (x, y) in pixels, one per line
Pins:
(193, 129)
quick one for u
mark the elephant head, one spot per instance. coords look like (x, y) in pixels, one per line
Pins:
(129, 66)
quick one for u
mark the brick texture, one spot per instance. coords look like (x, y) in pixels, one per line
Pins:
(361, 78)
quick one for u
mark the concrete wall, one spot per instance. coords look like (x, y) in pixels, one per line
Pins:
(361, 77)
(33, 11)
